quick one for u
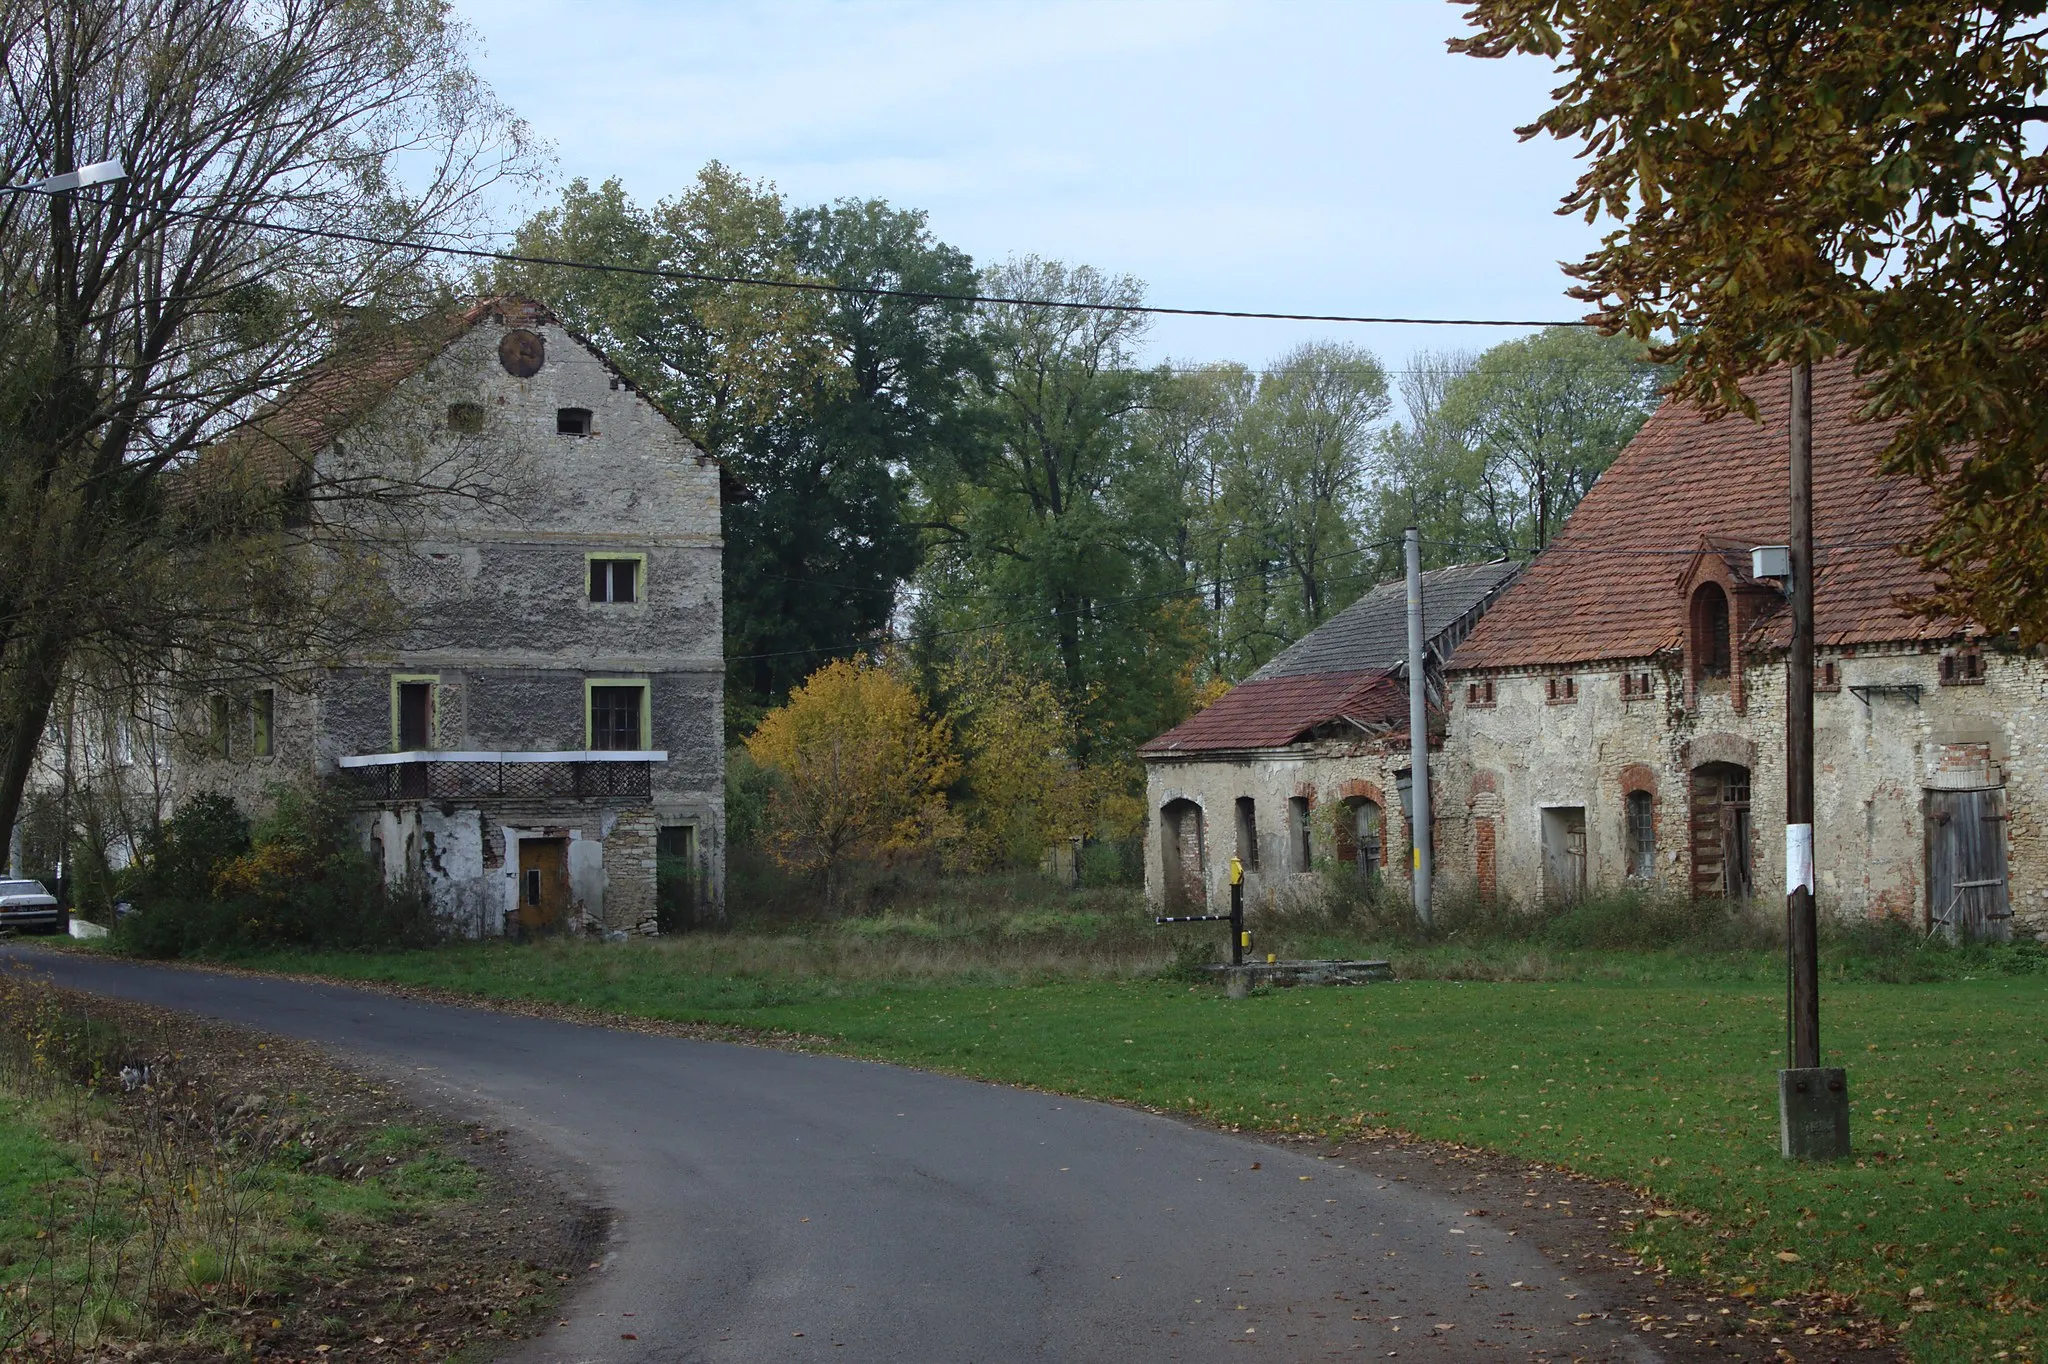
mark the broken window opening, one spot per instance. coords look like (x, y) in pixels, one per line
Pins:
(1298, 832)
(262, 710)
(220, 715)
(615, 718)
(615, 580)
(1247, 833)
(1361, 832)
(1642, 837)
(1710, 649)
(573, 421)
(415, 716)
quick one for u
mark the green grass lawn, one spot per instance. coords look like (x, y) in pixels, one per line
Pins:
(1669, 1085)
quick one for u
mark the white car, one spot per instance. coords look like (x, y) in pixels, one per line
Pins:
(26, 905)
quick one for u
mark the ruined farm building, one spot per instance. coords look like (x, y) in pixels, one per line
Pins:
(1304, 768)
(540, 744)
(1618, 718)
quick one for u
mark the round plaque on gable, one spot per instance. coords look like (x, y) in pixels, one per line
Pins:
(521, 353)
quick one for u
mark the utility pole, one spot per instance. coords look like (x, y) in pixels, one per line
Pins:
(1813, 1103)
(1418, 734)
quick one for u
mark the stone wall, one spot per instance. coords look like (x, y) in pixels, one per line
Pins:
(495, 592)
(1876, 756)
(1324, 773)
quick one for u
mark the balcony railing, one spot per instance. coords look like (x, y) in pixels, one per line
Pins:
(577, 774)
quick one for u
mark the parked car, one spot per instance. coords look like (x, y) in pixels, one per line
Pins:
(26, 905)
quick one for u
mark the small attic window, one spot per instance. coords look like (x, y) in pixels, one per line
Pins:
(1479, 693)
(1962, 668)
(1827, 676)
(1710, 642)
(572, 421)
(466, 418)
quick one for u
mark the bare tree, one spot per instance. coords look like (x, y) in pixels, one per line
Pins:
(155, 491)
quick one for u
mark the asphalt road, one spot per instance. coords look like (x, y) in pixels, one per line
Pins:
(772, 1206)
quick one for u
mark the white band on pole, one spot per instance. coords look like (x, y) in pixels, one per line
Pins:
(1798, 858)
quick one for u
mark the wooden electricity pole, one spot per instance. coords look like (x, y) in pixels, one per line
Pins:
(1800, 926)
(1813, 1103)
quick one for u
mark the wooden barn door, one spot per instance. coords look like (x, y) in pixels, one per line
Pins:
(1721, 836)
(1967, 896)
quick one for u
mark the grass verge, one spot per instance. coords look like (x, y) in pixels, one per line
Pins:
(1646, 1068)
(188, 1192)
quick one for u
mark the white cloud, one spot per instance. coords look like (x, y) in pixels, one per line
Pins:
(1311, 156)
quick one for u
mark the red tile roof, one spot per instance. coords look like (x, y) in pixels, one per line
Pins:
(1273, 712)
(1608, 586)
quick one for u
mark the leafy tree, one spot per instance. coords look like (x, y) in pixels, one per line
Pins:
(1796, 179)
(1545, 415)
(864, 770)
(147, 320)
(1056, 528)
(1021, 789)
(1294, 490)
(820, 406)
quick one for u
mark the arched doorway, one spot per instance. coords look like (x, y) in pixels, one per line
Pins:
(1180, 845)
(1361, 836)
(1723, 856)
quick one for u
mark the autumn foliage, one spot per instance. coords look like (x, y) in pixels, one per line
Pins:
(862, 770)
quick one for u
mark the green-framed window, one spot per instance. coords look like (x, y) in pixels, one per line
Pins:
(615, 579)
(617, 714)
(415, 711)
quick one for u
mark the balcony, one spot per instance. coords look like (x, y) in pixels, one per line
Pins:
(573, 774)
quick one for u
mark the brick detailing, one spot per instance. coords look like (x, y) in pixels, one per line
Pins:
(1638, 777)
(1483, 859)
(1362, 790)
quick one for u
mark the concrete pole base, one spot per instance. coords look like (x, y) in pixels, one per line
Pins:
(1813, 1114)
(1237, 983)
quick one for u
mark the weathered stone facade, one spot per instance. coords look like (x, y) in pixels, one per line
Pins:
(1889, 735)
(1251, 805)
(584, 584)
(1301, 772)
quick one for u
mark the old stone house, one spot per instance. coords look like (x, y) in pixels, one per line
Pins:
(541, 747)
(1619, 716)
(1304, 767)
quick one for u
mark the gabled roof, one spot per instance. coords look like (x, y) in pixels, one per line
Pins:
(1609, 586)
(1273, 712)
(1346, 670)
(278, 444)
(1372, 632)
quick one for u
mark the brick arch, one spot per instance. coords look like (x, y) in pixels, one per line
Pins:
(1305, 790)
(1362, 790)
(1638, 777)
(1720, 748)
(1484, 783)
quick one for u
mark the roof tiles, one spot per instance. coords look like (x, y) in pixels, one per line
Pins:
(1608, 586)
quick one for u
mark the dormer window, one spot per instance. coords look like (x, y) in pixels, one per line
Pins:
(1710, 646)
(572, 421)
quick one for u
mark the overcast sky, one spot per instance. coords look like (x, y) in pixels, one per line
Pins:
(1249, 154)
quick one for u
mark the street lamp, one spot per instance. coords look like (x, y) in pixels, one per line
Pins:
(98, 173)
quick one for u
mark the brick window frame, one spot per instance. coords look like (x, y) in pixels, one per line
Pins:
(1561, 691)
(1638, 783)
(1479, 695)
(1962, 667)
(1827, 675)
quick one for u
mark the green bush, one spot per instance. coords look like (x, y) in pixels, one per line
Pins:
(208, 883)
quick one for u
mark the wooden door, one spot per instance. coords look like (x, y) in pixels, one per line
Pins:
(1967, 895)
(1722, 851)
(543, 884)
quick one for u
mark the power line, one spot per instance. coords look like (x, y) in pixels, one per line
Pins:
(859, 290)
(1201, 590)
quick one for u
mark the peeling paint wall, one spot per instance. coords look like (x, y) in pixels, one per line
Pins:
(496, 593)
(1876, 756)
